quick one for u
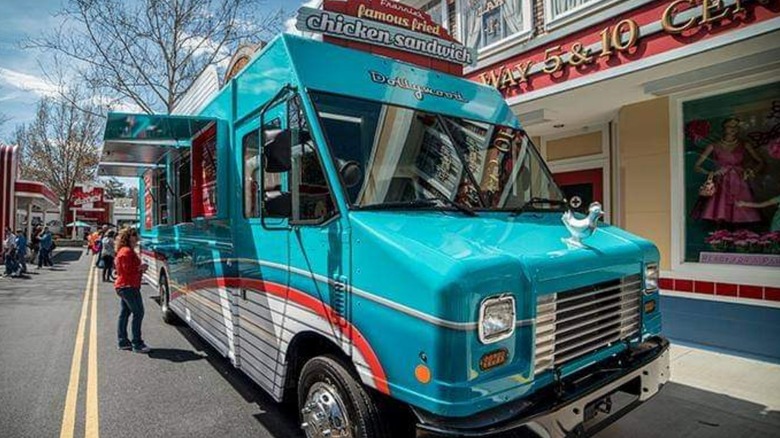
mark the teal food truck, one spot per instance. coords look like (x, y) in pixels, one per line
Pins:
(361, 235)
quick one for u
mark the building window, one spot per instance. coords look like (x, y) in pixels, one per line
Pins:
(732, 177)
(562, 11)
(487, 23)
(437, 9)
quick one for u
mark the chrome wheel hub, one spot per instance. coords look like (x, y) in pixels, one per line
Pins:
(324, 413)
(164, 298)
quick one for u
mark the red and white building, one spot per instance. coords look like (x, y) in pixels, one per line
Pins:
(21, 200)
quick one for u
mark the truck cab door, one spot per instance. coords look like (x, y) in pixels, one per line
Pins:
(319, 244)
(261, 242)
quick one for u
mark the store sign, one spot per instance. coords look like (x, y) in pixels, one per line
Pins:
(387, 24)
(419, 91)
(658, 27)
(81, 198)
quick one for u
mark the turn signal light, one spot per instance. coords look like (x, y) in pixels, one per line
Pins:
(493, 359)
(650, 306)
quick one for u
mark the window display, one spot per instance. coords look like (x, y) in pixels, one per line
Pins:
(732, 177)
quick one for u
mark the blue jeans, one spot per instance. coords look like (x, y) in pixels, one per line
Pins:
(44, 257)
(130, 303)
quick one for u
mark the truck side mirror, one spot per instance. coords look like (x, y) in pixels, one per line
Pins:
(277, 151)
(350, 171)
(278, 204)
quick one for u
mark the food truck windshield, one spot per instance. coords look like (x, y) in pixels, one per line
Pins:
(409, 158)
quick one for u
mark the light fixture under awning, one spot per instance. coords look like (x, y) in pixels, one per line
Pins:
(134, 143)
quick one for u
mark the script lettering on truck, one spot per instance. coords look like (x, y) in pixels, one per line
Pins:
(419, 90)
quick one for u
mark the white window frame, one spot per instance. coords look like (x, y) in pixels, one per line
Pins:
(500, 45)
(575, 14)
(741, 274)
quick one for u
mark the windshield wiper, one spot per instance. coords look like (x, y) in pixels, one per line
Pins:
(460, 207)
(537, 200)
(419, 203)
(401, 204)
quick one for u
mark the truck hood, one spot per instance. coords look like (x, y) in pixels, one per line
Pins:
(538, 241)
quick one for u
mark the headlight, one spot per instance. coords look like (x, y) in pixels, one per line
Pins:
(651, 277)
(497, 319)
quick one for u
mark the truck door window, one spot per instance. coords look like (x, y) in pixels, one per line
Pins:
(251, 146)
(253, 170)
(312, 198)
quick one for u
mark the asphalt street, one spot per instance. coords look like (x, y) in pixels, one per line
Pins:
(184, 388)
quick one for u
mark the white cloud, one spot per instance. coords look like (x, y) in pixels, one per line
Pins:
(289, 24)
(202, 46)
(27, 82)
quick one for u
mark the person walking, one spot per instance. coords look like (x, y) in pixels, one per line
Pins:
(47, 244)
(107, 253)
(21, 251)
(129, 269)
(9, 252)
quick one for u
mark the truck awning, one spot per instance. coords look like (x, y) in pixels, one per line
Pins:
(134, 143)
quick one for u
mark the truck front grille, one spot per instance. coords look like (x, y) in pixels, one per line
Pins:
(573, 323)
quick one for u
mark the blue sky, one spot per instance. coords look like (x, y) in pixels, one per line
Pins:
(21, 79)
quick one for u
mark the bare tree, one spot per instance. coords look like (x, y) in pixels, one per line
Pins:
(61, 146)
(149, 52)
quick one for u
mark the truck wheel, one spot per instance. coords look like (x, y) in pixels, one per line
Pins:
(333, 404)
(165, 300)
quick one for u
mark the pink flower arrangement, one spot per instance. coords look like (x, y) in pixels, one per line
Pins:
(744, 241)
(697, 130)
(774, 148)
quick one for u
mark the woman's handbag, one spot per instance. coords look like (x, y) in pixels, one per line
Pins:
(709, 187)
(101, 263)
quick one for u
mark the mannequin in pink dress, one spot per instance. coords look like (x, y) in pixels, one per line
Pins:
(731, 177)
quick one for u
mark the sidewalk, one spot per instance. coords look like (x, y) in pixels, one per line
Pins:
(710, 395)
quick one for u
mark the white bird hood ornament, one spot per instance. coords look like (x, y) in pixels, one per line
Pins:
(582, 228)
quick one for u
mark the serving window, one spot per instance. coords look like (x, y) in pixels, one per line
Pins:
(204, 173)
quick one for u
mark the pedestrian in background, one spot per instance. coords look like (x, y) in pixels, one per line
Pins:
(35, 243)
(9, 252)
(107, 253)
(21, 251)
(129, 269)
(47, 244)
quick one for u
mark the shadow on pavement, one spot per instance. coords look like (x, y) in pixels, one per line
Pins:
(175, 355)
(69, 255)
(248, 390)
(681, 410)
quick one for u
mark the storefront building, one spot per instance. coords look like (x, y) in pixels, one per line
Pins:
(668, 113)
(22, 202)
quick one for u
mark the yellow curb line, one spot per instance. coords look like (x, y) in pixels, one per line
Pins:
(92, 428)
(71, 399)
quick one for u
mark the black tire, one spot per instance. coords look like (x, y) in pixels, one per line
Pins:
(165, 299)
(362, 410)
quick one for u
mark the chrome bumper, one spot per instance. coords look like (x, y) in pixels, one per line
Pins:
(562, 412)
(568, 420)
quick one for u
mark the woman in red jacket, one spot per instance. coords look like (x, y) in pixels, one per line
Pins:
(129, 269)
